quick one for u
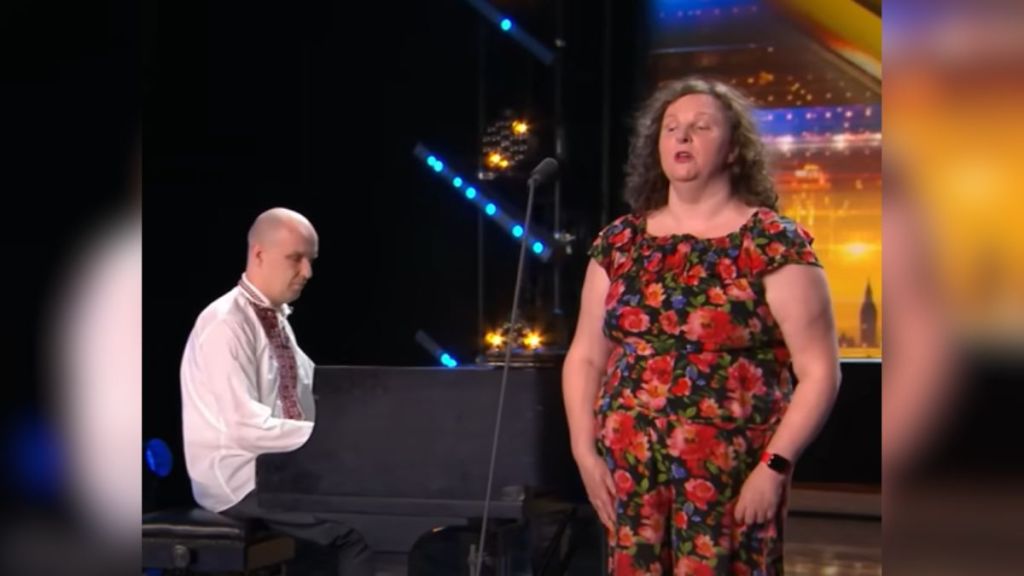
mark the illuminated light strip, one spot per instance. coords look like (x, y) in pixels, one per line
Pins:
(538, 242)
(428, 344)
(506, 25)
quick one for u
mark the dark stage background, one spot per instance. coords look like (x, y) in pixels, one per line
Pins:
(69, 139)
(317, 107)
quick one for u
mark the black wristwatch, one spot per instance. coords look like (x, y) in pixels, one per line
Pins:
(776, 462)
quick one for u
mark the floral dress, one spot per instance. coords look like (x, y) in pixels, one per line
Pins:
(696, 384)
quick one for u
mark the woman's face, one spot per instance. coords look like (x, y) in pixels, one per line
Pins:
(695, 139)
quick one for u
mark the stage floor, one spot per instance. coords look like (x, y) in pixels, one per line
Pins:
(815, 546)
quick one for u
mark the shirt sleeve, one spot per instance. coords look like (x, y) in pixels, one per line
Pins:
(609, 248)
(789, 243)
(601, 252)
(226, 367)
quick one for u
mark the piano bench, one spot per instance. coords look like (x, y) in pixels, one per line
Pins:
(197, 541)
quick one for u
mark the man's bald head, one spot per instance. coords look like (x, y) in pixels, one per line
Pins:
(268, 225)
(282, 247)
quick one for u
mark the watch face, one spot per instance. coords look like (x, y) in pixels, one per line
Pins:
(777, 463)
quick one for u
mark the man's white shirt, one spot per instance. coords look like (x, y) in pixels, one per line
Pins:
(231, 408)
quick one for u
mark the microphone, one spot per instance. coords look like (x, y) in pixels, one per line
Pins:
(545, 171)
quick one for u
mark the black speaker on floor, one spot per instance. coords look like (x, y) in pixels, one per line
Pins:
(564, 544)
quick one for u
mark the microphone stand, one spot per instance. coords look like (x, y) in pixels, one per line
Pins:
(479, 556)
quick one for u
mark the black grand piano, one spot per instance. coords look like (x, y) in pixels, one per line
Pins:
(399, 452)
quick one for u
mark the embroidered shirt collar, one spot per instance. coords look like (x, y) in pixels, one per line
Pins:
(253, 294)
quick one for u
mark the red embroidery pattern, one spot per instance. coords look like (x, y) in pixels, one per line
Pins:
(284, 354)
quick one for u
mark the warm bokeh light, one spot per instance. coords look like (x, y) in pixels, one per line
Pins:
(532, 340)
(494, 339)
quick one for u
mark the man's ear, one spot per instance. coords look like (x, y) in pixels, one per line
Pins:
(256, 253)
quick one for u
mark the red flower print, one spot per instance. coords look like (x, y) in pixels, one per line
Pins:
(674, 261)
(713, 327)
(772, 225)
(708, 408)
(745, 381)
(723, 457)
(626, 539)
(621, 238)
(624, 564)
(621, 263)
(681, 387)
(754, 324)
(653, 263)
(716, 296)
(694, 275)
(696, 356)
(751, 259)
(628, 400)
(740, 290)
(700, 492)
(656, 502)
(614, 293)
(774, 249)
(633, 319)
(739, 444)
(640, 448)
(654, 395)
(669, 322)
(694, 443)
(653, 295)
(613, 381)
(691, 566)
(679, 520)
(623, 484)
(619, 433)
(704, 546)
(640, 345)
(703, 361)
(726, 269)
(659, 370)
(782, 355)
(614, 357)
(807, 255)
(652, 528)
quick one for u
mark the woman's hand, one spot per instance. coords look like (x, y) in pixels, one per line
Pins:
(600, 487)
(760, 496)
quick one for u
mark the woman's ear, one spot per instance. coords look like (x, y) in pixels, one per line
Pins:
(731, 163)
(732, 156)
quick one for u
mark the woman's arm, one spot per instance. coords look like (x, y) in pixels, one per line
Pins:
(581, 379)
(799, 299)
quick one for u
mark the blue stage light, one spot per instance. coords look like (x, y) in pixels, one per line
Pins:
(448, 361)
(158, 457)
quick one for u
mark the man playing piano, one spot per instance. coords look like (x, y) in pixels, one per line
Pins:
(247, 389)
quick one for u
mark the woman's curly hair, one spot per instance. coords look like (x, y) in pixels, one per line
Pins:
(646, 183)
